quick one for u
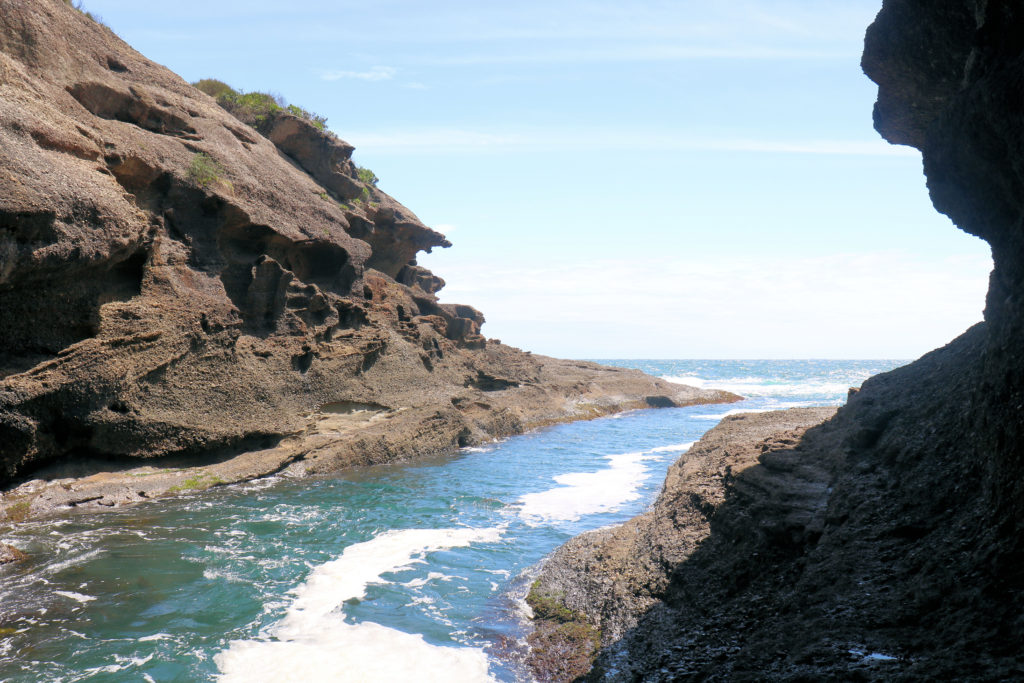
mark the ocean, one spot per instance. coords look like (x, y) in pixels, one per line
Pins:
(411, 571)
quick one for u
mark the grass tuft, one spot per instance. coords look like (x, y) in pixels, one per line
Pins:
(200, 482)
(366, 176)
(256, 109)
(204, 170)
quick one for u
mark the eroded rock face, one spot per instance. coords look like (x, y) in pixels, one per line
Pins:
(967, 125)
(889, 546)
(174, 282)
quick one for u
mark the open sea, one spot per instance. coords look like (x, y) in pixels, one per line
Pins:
(411, 572)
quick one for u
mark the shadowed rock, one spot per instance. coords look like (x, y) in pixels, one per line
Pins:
(887, 542)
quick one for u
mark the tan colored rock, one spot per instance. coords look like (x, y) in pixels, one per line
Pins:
(176, 290)
(9, 554)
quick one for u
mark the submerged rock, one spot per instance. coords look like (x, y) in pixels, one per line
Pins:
(8, 554)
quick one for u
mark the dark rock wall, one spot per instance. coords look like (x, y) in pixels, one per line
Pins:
(912, 566)
(951, 83)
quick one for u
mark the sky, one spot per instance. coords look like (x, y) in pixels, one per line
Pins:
(643, 179)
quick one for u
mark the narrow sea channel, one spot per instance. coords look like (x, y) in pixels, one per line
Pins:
(386, 573)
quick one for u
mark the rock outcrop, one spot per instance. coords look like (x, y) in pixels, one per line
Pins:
(9, 554)
(887, 542)
(174, 284)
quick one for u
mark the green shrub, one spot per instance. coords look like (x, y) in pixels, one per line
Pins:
(204, 169)
(215, 88)
(366, 176)
(317, 120)
(255, 108)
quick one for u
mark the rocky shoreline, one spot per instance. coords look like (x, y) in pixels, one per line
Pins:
(805, 545)
(597, 587)
(192, 296)
(340, 435)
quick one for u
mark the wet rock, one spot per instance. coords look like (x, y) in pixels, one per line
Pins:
(8, 554)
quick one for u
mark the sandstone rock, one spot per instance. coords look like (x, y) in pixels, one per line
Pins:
(325, 157)
(178, 290)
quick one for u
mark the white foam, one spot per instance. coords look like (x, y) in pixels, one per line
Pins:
(676, 447)
(422, 581)
(123, 664)
(229, 576)
(76, 596)
(313, 643)
(586, 493)
(500, 572)
(758, 387)
(734, 411)
(64, 564)
(872, 656)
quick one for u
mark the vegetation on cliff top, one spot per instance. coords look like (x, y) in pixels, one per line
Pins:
(255, 108)
(258, 109)
(366, 176)
(78, 6)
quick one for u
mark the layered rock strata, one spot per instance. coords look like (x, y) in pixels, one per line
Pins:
(887, 542)
(185, 301)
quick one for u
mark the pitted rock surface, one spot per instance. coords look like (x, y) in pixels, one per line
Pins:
(183, 297)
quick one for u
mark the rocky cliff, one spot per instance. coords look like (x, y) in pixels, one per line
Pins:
(187, 300)
(886, 542)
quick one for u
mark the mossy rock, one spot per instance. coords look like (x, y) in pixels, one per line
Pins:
(549, 606)
(200, 482)
(564, 643)
(18, 512)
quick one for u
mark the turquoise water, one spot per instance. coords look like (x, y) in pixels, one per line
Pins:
(400, 572)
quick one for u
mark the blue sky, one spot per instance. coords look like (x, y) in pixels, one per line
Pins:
(649, 179)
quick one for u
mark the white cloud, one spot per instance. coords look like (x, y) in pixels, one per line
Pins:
(840, 147)
(641, 53)
(885, 304)
(454, 140)
(377, 73)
